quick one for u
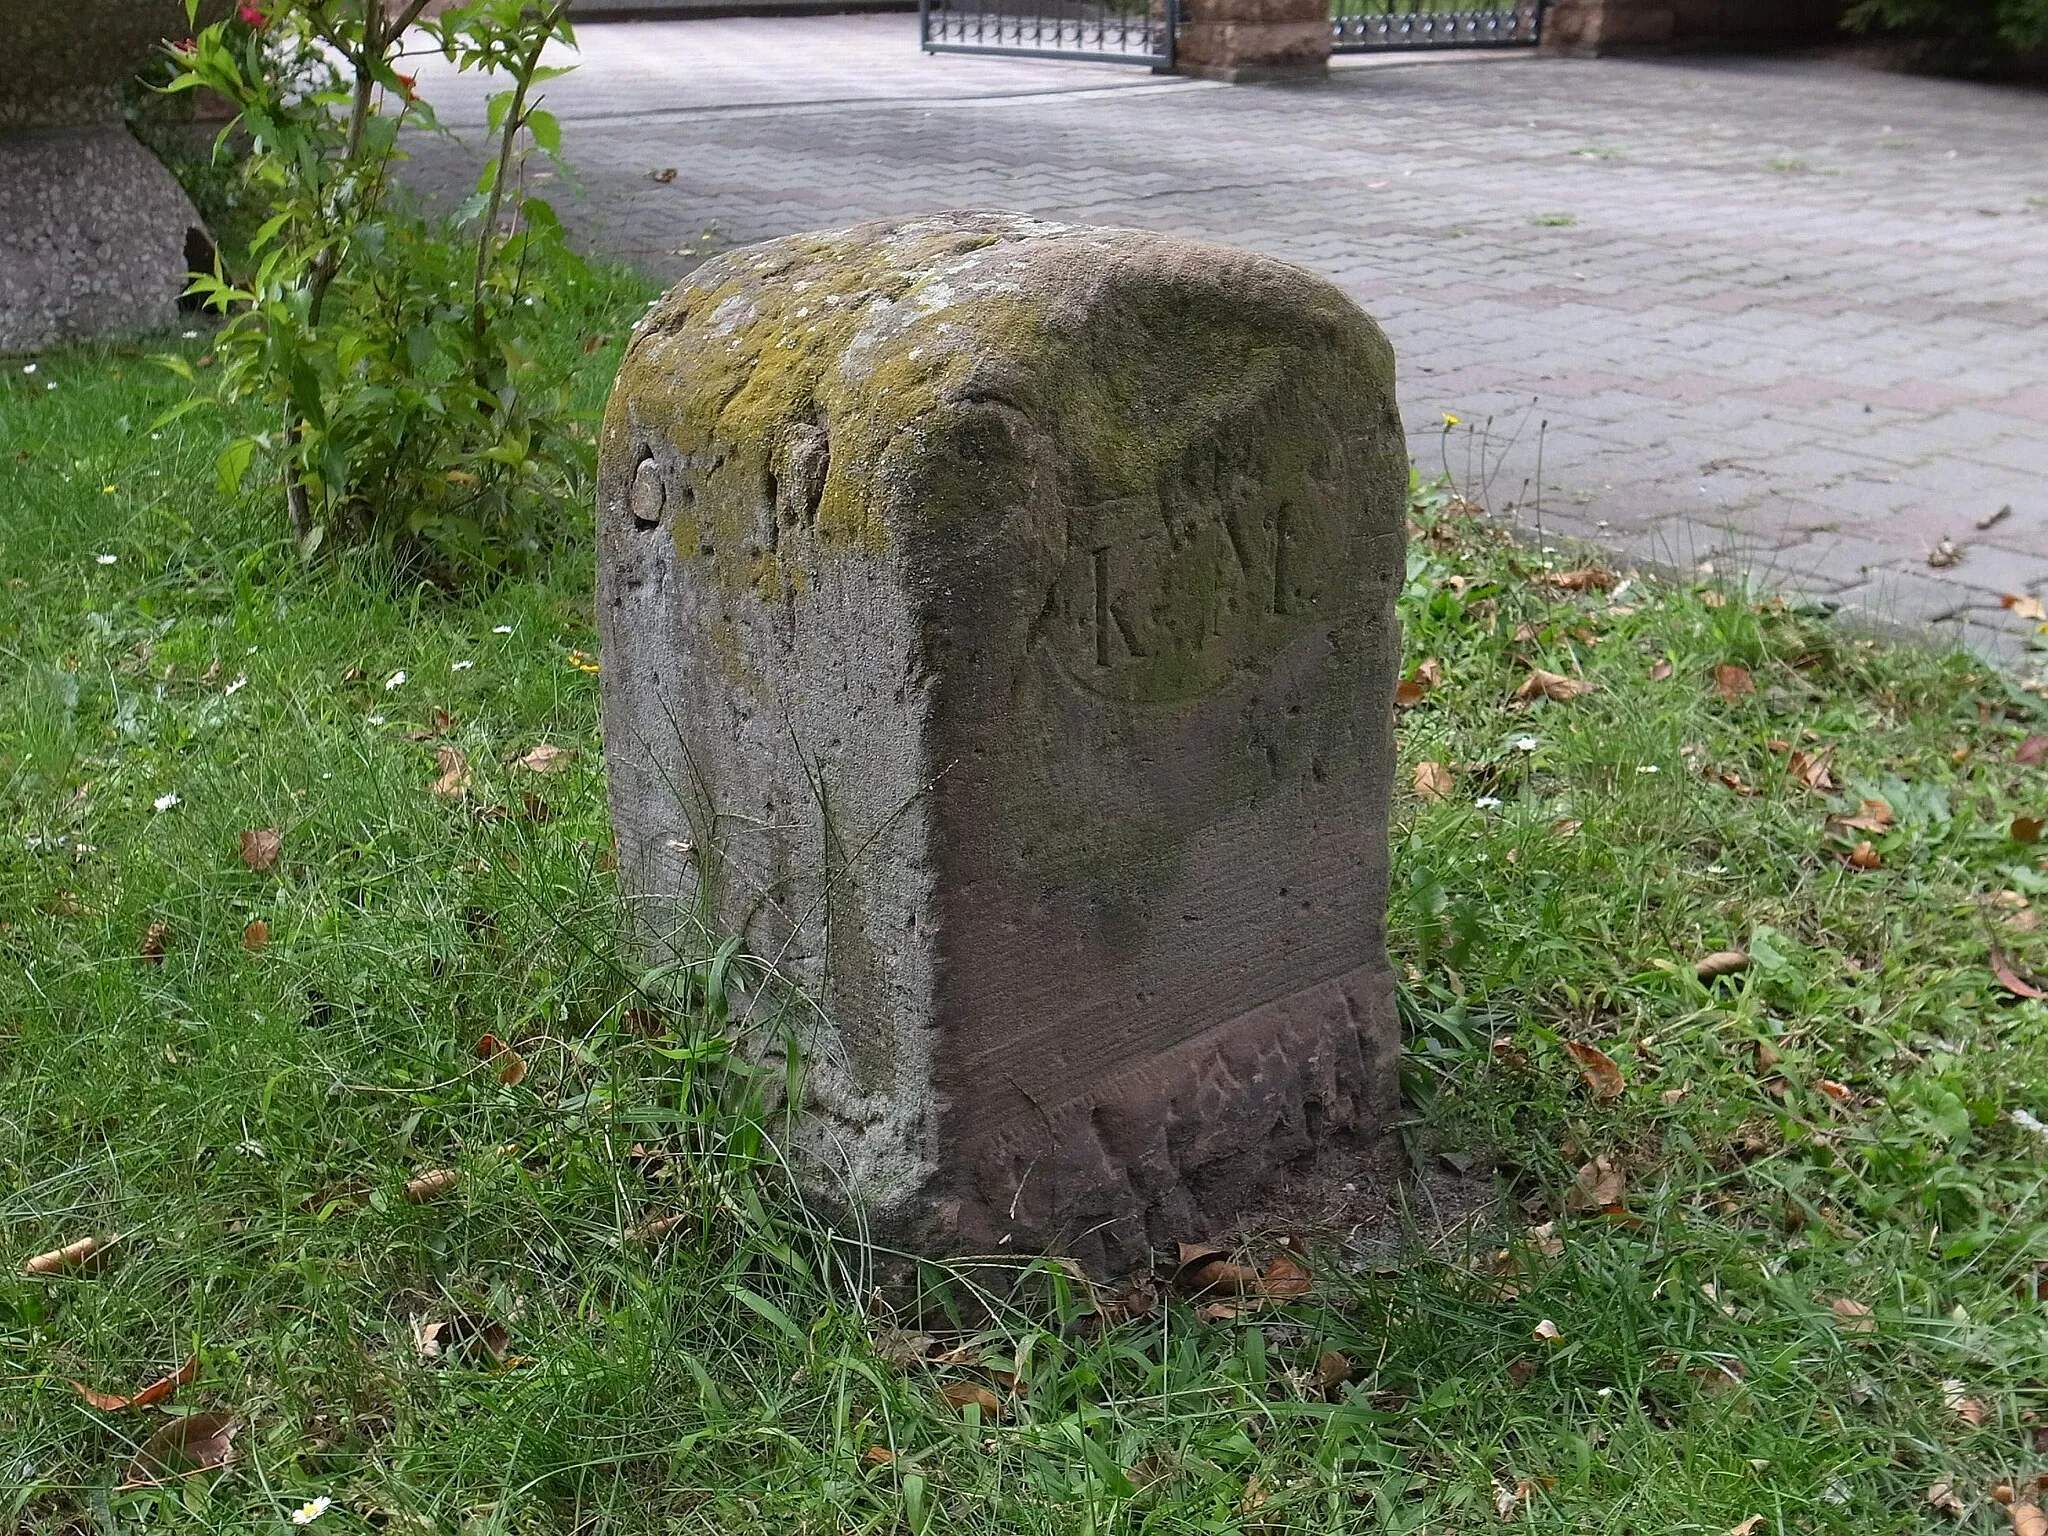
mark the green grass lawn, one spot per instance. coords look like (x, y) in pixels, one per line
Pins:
(1809, 1301)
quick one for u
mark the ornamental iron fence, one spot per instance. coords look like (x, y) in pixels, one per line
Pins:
(1361, 26)
(1106, 31)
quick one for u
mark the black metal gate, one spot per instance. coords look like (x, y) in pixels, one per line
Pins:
(1110, 31)
(1363, 26)
(1143, 31)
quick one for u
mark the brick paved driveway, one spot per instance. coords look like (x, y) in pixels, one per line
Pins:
(1780, 316)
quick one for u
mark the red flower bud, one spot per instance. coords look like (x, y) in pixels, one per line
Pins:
(254, 16)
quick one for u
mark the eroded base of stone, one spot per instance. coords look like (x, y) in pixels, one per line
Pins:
(1181, 1146)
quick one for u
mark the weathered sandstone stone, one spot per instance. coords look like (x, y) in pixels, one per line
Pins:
(998, 633)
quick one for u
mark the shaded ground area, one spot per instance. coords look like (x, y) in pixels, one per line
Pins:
(1780, 316)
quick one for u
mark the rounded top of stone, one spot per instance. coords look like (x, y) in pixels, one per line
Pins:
(886, 328)
(69, 60)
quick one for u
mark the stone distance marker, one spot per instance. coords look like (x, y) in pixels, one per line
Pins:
(998, 626)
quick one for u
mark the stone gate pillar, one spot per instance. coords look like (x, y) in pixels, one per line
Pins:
(998, 635)
(1249, 41)
(92, 228)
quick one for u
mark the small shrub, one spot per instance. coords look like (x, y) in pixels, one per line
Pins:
(1968, 35)
(395, 349)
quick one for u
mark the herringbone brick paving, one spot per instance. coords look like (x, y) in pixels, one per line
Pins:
(1788, 317)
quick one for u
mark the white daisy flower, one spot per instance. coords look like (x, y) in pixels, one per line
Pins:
(165, 802)
(311, 1510)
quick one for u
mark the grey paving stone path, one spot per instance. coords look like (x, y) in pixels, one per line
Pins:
(1781, 317)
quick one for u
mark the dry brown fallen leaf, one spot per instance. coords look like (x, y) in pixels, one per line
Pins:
(2031, 752)
(2028, 829)
(1747, 1528)
(198, 1442)
(961, 1394)
(1589, 579)
(1598, 1186)
(1722, 962)
(1548, 1330)
(1662, 671)
(2009, 979)
(1432, 780)
(148, 1397)
(547, 758)
(156, 939)
(85, 1256)
(260, 848)
(1333, 1369)
(1544, 1240)
(2028, 1520)
(1284, 1279)
(1942, 1496)
(1603, 1077)
(1864, 856)
(1408, 693)
(469, 1337)
(431, 1185)
(1871, 816)
(1732, 682)
(1566, 826)
(1718, 1377)
(1812, 769)
(1969, 1409)
(1852, 1316)
(1552, 685)
(654, 1229)
(256, 936)
(2024, 606)
(510, 1064)
(453, 768)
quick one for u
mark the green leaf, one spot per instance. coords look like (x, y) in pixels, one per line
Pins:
(180, 409)
(774, 1314)
(232, 467)
(546, 131)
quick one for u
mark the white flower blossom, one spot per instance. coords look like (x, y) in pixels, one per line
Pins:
(312, 1510)
(1525, 743)
(165, 802)
(105, 559)
(1647, 768)
(460, 666)
(395, 680)
(1487, 803)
